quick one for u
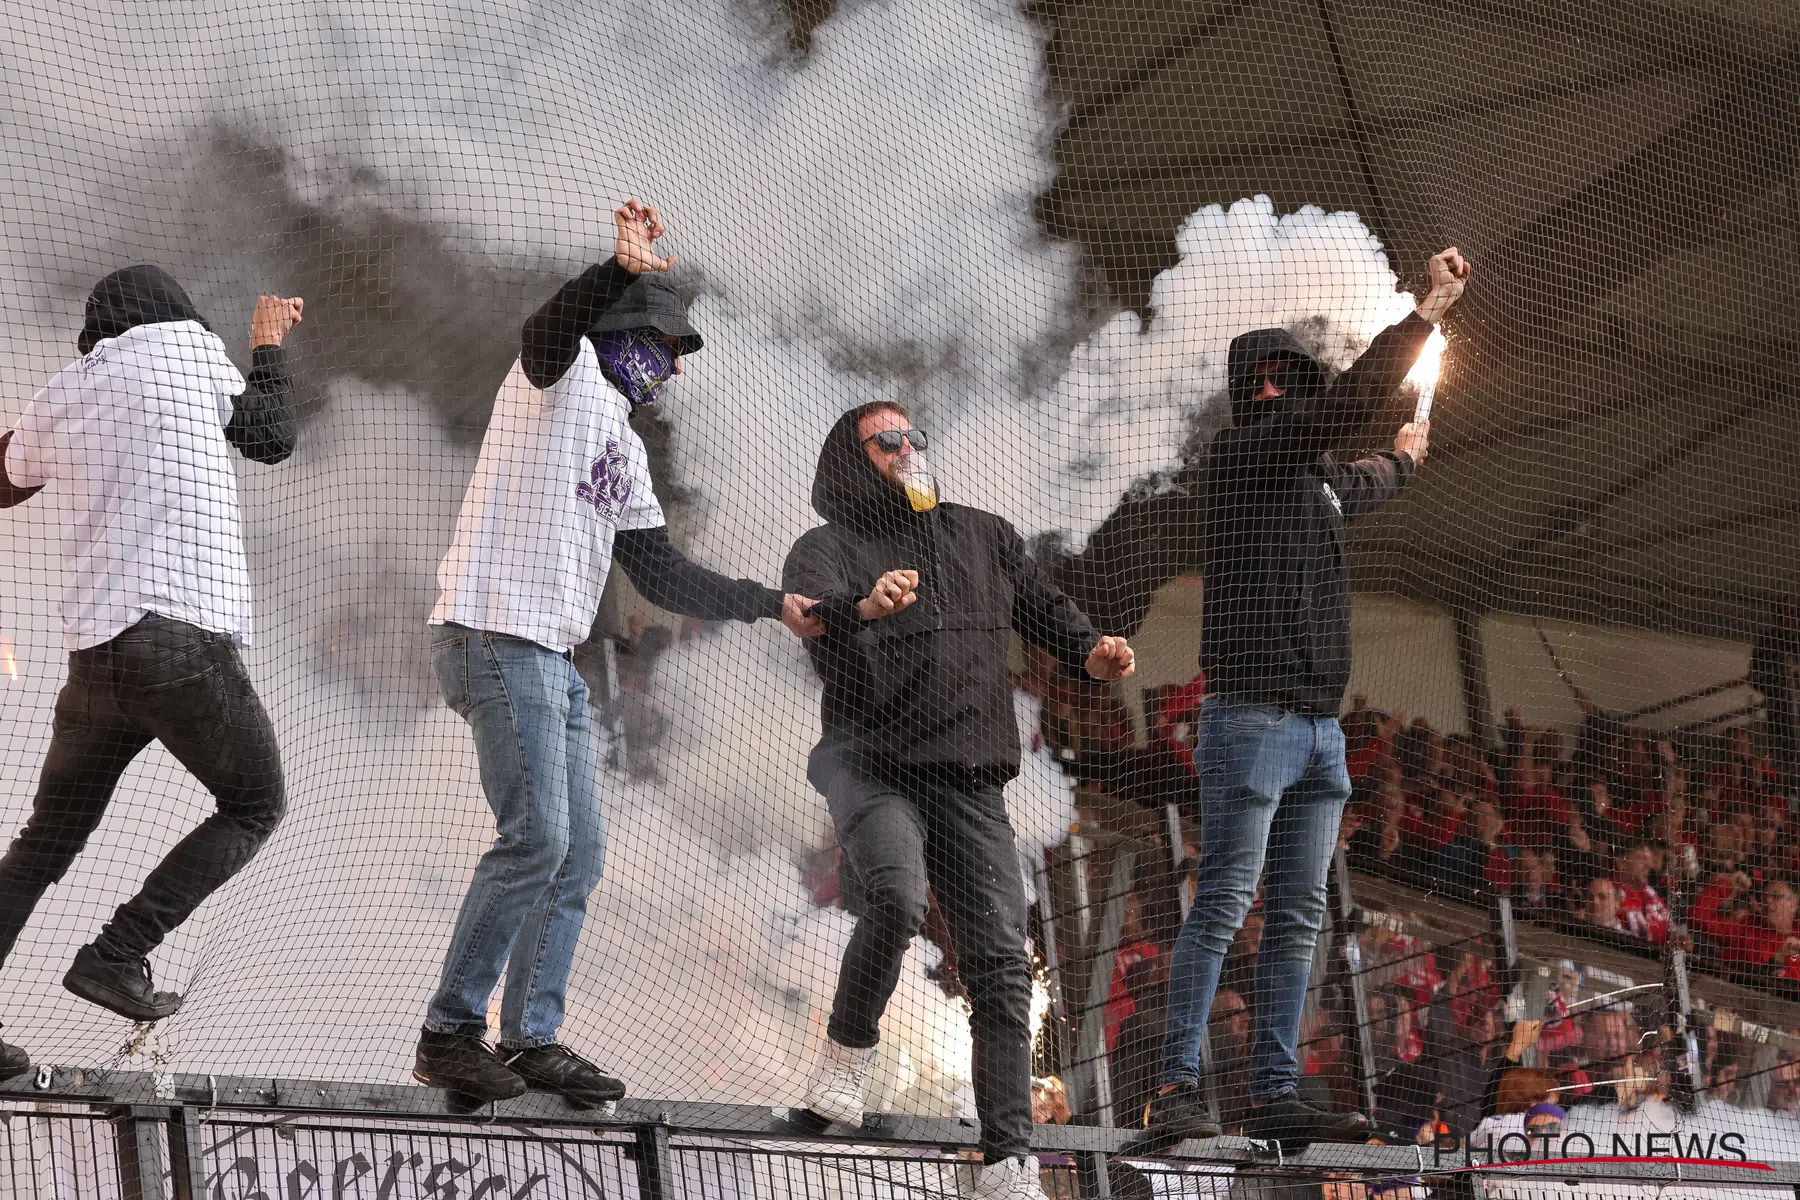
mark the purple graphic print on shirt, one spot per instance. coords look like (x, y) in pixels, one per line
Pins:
(608, 486)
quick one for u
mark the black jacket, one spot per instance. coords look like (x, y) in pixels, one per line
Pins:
(1275, 626)
(263, 425)
(927, 685)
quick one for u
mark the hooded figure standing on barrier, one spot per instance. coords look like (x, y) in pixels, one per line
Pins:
(920, 600)
(137, 435)
(561, 492)
(1275, 646)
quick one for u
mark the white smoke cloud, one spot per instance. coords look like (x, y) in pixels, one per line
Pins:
(857, 222)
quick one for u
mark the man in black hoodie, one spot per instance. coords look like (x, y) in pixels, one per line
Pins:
(920, 600)
(1275, 646)
(137, 436)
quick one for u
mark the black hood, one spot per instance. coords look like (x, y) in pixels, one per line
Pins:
(133, 296)
(1260, 346)
(848, 489)
(651, 302)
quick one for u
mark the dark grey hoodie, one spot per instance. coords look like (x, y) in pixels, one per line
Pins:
(928, 685)
(1275, 625)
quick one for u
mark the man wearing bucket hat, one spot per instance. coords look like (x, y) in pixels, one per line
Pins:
(561, 491)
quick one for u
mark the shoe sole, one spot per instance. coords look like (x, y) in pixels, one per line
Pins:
(116, 1002)
(836, 1116)
(14, 1072)
(461, 1087)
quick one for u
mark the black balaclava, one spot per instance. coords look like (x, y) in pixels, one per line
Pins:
(848, 489)
(1305, 378)
(133, 296)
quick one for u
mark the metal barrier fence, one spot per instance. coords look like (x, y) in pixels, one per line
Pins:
(67, 1149)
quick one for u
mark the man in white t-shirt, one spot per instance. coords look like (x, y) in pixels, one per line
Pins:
(137, 435)
(561, 491)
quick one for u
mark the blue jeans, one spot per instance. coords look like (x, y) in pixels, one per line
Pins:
(1272, 790)
(539, 755)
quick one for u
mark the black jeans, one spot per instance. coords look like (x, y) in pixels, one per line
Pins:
(178, 684)
(903, 830)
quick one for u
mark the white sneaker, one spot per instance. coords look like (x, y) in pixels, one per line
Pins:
(1010, 1179)
(840, 1086)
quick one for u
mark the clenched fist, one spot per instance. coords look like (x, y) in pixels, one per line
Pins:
(1111, 658)
(274, 316)
(1449, 275)
(891, 593)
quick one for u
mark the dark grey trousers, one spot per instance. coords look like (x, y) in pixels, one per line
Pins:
(903, 830)
(166, 681)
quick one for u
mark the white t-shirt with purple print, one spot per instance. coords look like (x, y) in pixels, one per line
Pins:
(560, 473)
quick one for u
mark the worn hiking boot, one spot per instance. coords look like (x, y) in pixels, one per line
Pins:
(559, 1069)
(13, 1061)
(1009, 1179)
(124, 987)
(840, 1086)
(462, 1062)
(1178, 1115)
(1287, 1118)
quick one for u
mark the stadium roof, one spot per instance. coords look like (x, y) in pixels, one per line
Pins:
(1614, 436)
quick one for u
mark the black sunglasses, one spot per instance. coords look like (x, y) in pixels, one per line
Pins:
(889, 441)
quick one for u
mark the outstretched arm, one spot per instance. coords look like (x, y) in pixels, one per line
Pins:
(551, 339)
(670, 580)
(1042, 614)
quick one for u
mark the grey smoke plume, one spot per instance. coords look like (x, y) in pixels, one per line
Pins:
(852, 222)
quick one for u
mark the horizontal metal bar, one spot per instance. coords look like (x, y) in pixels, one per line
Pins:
(402, 1107)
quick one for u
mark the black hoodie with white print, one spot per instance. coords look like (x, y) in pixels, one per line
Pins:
(927, 685)
(1275, 628)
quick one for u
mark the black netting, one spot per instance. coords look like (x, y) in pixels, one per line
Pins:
(310, 625)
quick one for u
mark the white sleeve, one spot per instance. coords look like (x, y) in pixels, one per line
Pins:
(27, 463)
(641, 509)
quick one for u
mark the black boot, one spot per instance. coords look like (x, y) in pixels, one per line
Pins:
(1287, 1118)
(559, 1069)
(1180, 1114)
(13, 1061)
(463, 1063)
(124, 987)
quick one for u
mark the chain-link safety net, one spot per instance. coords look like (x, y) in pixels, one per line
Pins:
(903, 555)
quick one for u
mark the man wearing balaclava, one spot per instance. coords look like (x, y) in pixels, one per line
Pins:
(1275, 646)
(920, 600)
(137, 436)
(561, 492)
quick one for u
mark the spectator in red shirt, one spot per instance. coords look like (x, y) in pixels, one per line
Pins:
(1539, 812)
(1602, 908)
(1644, 912)
(1759, 932)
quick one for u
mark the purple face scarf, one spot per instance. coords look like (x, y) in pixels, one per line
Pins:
(636, 361)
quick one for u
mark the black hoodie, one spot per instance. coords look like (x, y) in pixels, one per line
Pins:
(262, 426)
(927, 685)
(1275, 626)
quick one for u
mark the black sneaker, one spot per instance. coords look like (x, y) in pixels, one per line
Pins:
(558, 1069)
(1287, 1118)
(463, 1063)
(124, 987)
(1178, 1115)
(13, 1061)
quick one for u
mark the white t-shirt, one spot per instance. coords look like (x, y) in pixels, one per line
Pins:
(134, 432)
(560, 472)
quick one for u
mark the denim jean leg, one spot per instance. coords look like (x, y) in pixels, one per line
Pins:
(1248, 755)
(1301, 844)
(500, 685)
(537, 977)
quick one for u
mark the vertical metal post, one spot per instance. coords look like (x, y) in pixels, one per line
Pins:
(1177, 840)
(616, 718)
(1053, 972)
(187, 1159)
(137, 1134)
(1091, 1048)
(1092, 1180)
(1681, 1051)
(1471, 661)
(1363, 1061)
(655, 1163)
